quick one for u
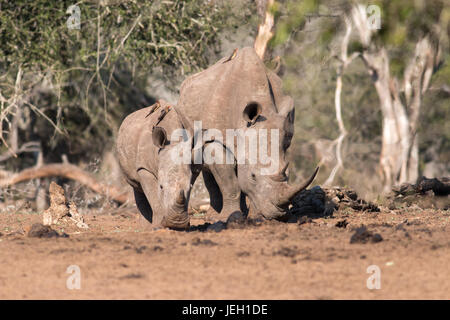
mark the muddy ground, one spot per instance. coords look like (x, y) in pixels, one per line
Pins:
(121, 258)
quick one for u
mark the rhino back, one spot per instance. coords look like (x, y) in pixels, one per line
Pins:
(218, 95)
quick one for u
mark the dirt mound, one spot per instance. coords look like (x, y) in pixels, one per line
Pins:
(322, 202)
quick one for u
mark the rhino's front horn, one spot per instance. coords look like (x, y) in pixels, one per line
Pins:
(177, 217)
(289, 193)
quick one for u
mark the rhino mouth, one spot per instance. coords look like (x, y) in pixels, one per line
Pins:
(178, 217)
(282, 207)
(276, 211)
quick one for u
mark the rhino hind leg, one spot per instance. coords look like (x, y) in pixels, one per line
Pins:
(143, 205)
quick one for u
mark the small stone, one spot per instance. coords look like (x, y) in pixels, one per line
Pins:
(342, 224)
(304, 220)
(362, 235)
(38, 230)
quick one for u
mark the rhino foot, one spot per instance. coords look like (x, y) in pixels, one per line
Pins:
(236, 220)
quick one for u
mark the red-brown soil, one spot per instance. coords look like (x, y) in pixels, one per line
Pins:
(121, 258)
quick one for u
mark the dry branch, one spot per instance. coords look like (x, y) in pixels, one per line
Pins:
(264, 31)
(68, 171)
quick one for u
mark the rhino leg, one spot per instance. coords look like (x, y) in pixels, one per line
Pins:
(143, 205)
(215, 195)
(226, 180)
(150, 186)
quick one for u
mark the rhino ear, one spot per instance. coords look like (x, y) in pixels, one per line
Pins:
(251, 112)
(159, 137)
(286, 106)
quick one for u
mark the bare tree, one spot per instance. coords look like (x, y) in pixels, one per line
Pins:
(399, 153)
(344, 61)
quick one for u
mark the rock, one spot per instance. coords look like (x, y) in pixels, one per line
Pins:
(304, 220)
(320, 202)
(58, 207)
(363, 235)
(342, 224)
(38, 230)
(76, 216)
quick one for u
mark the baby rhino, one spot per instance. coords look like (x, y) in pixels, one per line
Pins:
(153, 166)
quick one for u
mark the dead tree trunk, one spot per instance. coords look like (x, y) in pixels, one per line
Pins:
(344, 60)
(399, 151)
(265, 28)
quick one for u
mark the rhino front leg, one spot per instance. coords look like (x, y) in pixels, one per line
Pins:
(227, 182)
(215, 195)
(143, 205)
(149, 185)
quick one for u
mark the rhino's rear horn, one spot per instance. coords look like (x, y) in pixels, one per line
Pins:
(280, 176)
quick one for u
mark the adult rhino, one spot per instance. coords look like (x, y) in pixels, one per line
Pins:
(238, 92)
(160, 179)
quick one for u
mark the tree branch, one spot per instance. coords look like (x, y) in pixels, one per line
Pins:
(68, 171)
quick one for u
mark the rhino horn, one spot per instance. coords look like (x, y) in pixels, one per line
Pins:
(289, 193)
(280, 176)
(178, 217)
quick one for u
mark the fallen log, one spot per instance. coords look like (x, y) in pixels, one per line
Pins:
(440, 187)
(68, 171)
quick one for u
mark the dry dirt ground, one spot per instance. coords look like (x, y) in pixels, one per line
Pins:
(121, 258)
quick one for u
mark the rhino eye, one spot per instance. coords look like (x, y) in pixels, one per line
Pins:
(253, 176)
(160, 186)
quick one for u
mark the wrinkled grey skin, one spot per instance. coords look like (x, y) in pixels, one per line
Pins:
(243, 94)
(161, 186)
